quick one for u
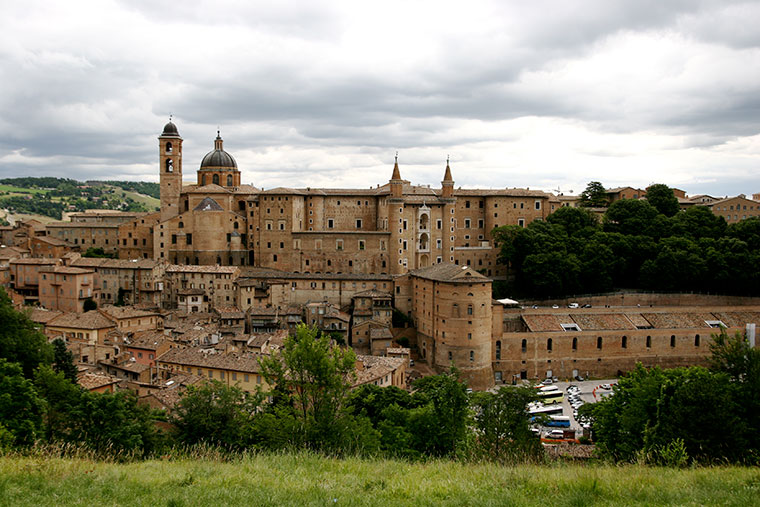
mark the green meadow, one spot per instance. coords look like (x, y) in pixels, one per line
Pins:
(308, 479)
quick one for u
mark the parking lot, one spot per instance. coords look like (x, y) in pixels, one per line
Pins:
(589, 391)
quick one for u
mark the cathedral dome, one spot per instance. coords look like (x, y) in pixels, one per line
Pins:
(170, 130)
(218, 157)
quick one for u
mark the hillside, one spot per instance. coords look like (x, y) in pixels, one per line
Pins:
(299, 479)
(51, 197)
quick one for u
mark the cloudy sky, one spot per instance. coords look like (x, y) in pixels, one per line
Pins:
(539, 94)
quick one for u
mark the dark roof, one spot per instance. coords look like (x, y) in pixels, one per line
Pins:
(170, 130)
(218, 158)
(208, 204)
(450, 273)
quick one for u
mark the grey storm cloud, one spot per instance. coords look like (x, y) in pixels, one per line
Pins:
(529, 92)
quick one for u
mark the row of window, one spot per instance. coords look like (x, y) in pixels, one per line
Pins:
(599, 343)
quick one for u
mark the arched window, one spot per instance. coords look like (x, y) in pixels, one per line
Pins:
(469, 309)
(649, 341)
(219, 260)
(472, 355)
(599, 343)
(203, 180)
(196, 261)
(169, 165)
(229, 180)
(181, 225)
(624, 343)
(498, 349)
(215, 179)
(549, 344)
(575, 343)
(672, 340)
(168, 147)
(524, 345)
(455, 310)
(235, 225)
(696, 340)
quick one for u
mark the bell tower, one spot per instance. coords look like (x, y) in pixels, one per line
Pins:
(170, 170)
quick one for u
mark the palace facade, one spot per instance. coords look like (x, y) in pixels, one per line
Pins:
(390, 229)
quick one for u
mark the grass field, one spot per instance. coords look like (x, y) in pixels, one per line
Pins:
(20, 190)
(150, 202)
(303, 479)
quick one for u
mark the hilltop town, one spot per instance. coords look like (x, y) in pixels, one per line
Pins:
(402, 273)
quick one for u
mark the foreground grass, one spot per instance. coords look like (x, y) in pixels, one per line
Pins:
(304, 479)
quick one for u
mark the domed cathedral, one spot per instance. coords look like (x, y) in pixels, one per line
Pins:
(218, 167)
(205, 223)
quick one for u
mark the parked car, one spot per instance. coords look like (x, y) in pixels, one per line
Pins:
(411, 362)
(586, 306)
(573, 305)
(579, 378)
(606, 387)
(555, 306)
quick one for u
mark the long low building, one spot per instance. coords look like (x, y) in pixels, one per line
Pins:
(603, 342)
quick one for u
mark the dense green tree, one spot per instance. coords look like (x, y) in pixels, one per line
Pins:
(317, 377)
(702, 410)
(747, 231)
(20, 406)
(502, 427)
(443, 416)
(698, 222)
(662, 198)
(216, 414)
(595, 196)
(574, 220)
(113, 423)
(678, 265)
(20, 341)
(733, 356)
(62, 398)
(89, 305)
(63, 360)
(634, 217)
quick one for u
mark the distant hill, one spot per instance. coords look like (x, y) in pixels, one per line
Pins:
(51, 197)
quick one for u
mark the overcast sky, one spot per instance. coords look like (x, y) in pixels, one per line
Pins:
(539, 94)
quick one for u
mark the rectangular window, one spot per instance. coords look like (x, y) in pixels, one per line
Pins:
(339, 244)
(361, 244)
(189, 238)
(174, 239)
(330, 223)
(358, 223)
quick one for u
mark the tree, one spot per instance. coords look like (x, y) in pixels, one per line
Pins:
(216, 414)
(503, 427)
(595, 196)
(634, 217)
(63, 360)
(652, 409)
(20, 342)
(698, 222)
(573, 220)
(443, 419)
(89, 305)
(20, 406)
(316, 377)
(662, 198)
